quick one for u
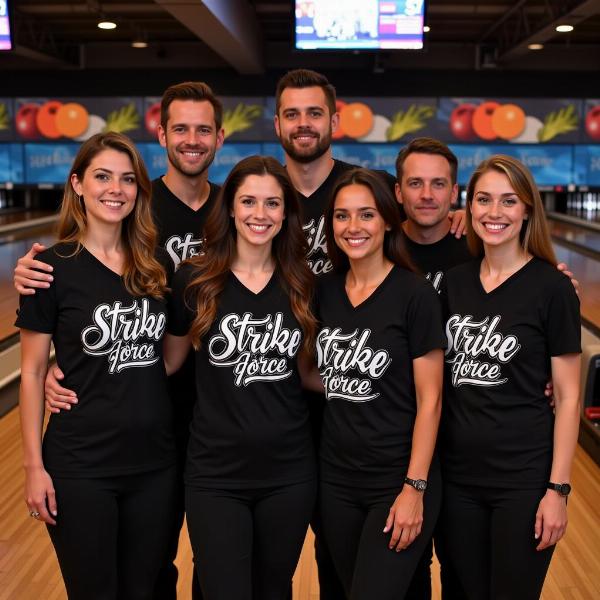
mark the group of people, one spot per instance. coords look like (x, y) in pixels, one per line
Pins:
(295, 368)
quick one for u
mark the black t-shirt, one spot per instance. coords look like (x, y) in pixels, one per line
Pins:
(433, 260)
(180, 228)
(109, 346)
(180, 233)
(250, 425)
(498, 425)
(364, 355)
(313, 207)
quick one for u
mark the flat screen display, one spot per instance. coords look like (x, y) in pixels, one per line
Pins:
(359, 24)
(6, 42)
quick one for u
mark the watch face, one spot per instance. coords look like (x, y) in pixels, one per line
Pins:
(565, 489)
(421, 485)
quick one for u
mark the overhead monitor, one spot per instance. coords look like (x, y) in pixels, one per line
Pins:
(359, 24)
(6, 39)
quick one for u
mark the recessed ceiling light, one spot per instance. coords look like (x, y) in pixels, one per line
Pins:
(107, 25)
(564, 28)
(139, 44)
(535, 46)
(426, 29)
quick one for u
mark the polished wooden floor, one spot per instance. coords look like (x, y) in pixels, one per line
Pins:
(29, 571)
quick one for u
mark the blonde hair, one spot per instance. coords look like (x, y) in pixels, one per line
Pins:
(535, 234)
(142, 273)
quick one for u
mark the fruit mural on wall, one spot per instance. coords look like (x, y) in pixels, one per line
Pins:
(56, 119)
(240, 118)
(514, 121)
(382, 120)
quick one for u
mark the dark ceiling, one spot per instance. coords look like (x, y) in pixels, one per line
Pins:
(254, 38)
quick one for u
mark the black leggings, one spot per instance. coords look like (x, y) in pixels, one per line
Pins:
(353, 522)
(111, 533)
(489, 540)
(247, 542)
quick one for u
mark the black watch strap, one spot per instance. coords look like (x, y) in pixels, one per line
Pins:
(562, 489)
(419, 484)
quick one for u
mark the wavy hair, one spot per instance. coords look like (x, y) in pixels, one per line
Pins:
(211, 270)
(142, 273)
(535, 234)
(394, 247)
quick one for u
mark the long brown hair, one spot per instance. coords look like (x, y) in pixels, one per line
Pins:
(142, 273)
(534, 234)
(394, 247)
(289, 249)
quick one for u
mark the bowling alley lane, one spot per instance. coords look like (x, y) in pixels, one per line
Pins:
(13, 245)
(579, 233)
(587, 271)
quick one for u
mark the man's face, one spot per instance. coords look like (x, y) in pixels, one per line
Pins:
(190, 137)
(426, 191)
(304, 124)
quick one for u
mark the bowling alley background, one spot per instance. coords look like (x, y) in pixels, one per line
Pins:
(558, 139)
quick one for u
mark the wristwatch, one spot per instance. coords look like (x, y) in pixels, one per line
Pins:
(562, 489)
(419, 484)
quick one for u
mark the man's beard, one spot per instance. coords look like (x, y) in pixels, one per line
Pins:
(309, 154)
(191, 170)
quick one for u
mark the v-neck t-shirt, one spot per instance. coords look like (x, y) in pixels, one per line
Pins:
(314, 206)
(180, 228)
(433, 260)
(365, 356)
(109, 346)
(497, 428)
(251, 423)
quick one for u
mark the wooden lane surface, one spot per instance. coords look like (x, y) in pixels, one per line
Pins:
(587, 271)
(29, 571)
(9, 254)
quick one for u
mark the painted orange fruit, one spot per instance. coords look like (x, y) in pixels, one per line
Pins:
(508, 121)
(482, 120)
(46, 119)
(339, 132)
(356, 119)
(72, 119)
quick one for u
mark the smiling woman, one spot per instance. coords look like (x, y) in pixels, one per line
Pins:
(512, 324)
(245, 305)
(101, 464)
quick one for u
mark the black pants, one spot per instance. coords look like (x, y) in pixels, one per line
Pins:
(420, 586)
(353, 522)
(247, 542)
(490, 541)
(111, 533)
(330, 586)
(182, 394)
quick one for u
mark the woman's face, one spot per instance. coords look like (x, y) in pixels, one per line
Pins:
(108, 188)
(497, 211)
(358, 228)
(258, 210)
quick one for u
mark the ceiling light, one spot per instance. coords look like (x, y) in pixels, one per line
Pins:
(564, 28)
(535, 46)
(426, 29)
(107, 25)
(139, 44)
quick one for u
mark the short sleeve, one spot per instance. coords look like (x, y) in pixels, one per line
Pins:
(424, 321)
(563, 321)
(181, 314)
(38, 312)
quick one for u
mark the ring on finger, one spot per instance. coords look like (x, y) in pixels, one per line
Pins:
(35, 514)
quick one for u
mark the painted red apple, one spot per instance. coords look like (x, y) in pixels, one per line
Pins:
(461, 122)
(152, 119)
(25, 121)
(592, 123)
